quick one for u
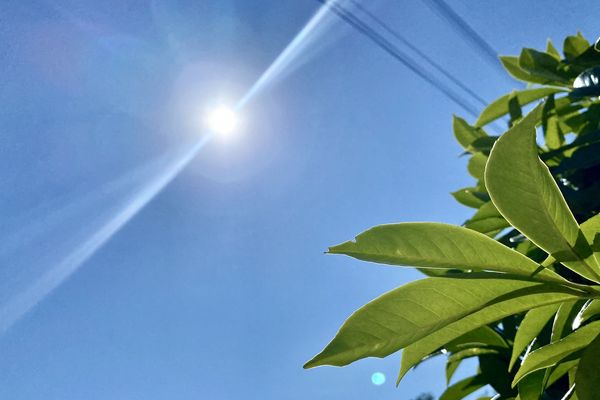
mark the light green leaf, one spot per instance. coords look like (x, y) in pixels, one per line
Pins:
(411, 312)
(574, 46)
(555, 352)
(541, 65)
(550, 49)
(511, 64)
(463, 388)
(471, 197)
(525, 193)
(532, 324)
(436, 245)
(481, 337)
(476, 165)
(588, 373)
(487, 220)
(412, 354)
(500, 107)
(466, 134)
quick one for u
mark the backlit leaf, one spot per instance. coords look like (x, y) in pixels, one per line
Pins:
(500, 107)
(525, 193)
(409, 313)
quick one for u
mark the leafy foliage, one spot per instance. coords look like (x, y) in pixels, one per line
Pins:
(517, 286)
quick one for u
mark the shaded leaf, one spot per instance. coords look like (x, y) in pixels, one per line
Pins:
(588, 373)
(532, 324)
(591, 311)
(563, 321)
(487, 220)
(574, 46)
(463, 388)
(532, 386)
(555, 352)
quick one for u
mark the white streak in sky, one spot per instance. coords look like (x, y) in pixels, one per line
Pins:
(153, 181)
(305, 38)
(20, 304)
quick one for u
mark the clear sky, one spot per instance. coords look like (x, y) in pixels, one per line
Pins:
(219, 288)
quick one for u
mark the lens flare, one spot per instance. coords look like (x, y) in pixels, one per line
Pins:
(378, 378)
(222, 120)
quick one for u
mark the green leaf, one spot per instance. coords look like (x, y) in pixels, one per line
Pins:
(553, 353)
(481, 337)
(532, 324)
(563, 321)
(476, 165)
(413, 311)
(466, 134)
(490, 367)
(574, 46)
(500, 107)
(591, 232)
(532, 386)
(437, 245)
(557, 372)
(511, 64)
(487, 220)
(493, 312)
(471, 197)
(525, 193)
(550, 49)
(464, 388)
(451, 367)
(541, 65)
(588, 373)
(591, 310)
(473, 352)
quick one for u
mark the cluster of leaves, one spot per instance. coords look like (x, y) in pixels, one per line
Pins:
(518, 286)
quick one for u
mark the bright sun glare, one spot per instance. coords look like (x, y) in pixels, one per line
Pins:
(222, 120)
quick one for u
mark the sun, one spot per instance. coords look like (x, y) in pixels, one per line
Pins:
(222, 120)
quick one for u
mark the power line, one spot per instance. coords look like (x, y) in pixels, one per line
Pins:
(421, 54)
(400, 56)
(480, 45)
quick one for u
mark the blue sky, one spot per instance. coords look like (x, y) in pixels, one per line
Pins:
(218, 288)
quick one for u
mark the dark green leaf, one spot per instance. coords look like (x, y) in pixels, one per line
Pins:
(588, 373)
(463, 388)
(555, 352)
(574, 46)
